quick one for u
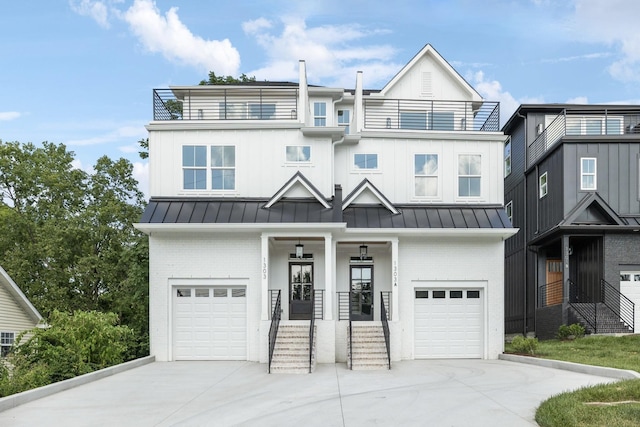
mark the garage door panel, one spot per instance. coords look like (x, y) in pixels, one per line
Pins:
(449, 327)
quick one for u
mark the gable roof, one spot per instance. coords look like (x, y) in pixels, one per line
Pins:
(433, 53)
(367, 187)
(592, 209)
(298, 179)
(20, 297)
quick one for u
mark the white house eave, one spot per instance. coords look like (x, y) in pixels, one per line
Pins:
(503, 233)
(237, 228)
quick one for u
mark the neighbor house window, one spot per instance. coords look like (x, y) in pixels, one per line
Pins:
(344, 120)
(426, 175)
(543, 185)
(6, 342)
(365, 161)
(413, 120)
(588, 177)
(509, 210)
(469, 175)
(194, 167)
(614, 126)
(223, 167)
(593, 127)
(298, 153)
(319, 114)
(507, 158)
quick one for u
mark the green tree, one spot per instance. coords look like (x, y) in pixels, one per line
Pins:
(226, 80)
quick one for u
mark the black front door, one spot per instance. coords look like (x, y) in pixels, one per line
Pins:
(300, 290)
(361, 292)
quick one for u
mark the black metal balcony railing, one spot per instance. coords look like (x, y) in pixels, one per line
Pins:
(431, 115)
(588, 123)
(207, 103)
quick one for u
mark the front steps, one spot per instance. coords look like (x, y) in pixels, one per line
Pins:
(369, 350)
(291, 352)
(607, 321)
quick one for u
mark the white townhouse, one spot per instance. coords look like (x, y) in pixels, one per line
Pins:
(286, 211)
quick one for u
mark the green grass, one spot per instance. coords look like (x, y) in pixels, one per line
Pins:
(571, 408)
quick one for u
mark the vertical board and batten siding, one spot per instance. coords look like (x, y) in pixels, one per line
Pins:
(457, 260)
(617, 174)
(13, 317)
(544, 213)
(261, 168)
(202, 259)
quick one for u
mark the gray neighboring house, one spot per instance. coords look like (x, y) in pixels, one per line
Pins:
(17, 314)
(572, 189)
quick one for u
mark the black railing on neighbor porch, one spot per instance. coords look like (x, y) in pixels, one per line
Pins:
(311, 327)
(622, 306)
(579, 302)
(550, 294)
(385, 328)
(275, 323)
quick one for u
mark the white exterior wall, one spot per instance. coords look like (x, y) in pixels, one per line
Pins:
(200, 259)
(395, 173)
(261, 166)
(423, 261)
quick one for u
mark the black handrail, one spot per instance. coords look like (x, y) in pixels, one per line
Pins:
(311, 327)
(273, 330)
(551, 291)
(385, 297)
(617, 302)
(577, 297)
(385, 328)
(350, 352)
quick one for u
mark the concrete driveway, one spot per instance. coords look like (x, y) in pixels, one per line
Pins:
(413, 393)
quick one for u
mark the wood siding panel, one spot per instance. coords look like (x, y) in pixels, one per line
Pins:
(12, 316)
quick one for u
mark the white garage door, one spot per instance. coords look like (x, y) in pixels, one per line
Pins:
(630, 288)
(209, 323)
(448, 323)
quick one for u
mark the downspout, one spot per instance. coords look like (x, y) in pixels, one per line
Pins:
(525, 326)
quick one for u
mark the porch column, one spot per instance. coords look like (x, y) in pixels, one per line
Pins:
(395, 312)
(330, 276)
(264, 267)
(565, 279)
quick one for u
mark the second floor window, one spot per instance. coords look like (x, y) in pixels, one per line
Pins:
(319, 114)
(194, 167)
(426, 175)
(588, 177)
(507, 158)
(223, 167)
(365, 161)
(469, 175)
(543, 185)
(509, 210)
(344, 120)
(298, 153)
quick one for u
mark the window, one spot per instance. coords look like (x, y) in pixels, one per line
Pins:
(422, 294)
(426, 175)
(543, 185)
(223, 167)
(365, 161)
(232, 110)
(6, 342)
(588, 173)
(594, 127)
(473, 294)
(298, 153)
(509, 210)
(413, 120)
(614, 126)
(507, 158)
(455, 294)
(442, 120)
(183, 293)
(439, 294)
(319, 114)
(262, 111)
(202, 293)
(469, 175)
(194, 164)
(344, 120)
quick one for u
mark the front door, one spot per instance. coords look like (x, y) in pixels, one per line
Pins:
(554, 282)
(300, 290)
(361, 292)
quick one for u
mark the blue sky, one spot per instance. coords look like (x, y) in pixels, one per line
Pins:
(81, 72)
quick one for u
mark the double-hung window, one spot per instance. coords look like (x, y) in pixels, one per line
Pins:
(6, 342)
(469, 175)
(426, 175)
(319, 113)
(365, 161)
(223, 167)
(194, 167)
(588, 173)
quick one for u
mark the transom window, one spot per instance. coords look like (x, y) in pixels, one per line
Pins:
(344, 120)
(365, 161)
(6, 342)
(469, 175)
(507, 158)
(426, 175)
(588, 177)
(298, 153)
(543, 185)
(222, 163)
(319, 113)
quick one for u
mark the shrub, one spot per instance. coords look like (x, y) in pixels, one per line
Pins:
(525, 345)
(570, 332)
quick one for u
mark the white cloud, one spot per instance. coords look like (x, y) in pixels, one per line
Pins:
(9, 115)
(578, 100)
(115, 135)
(96, 10)
(330, 52)
(491, 90)
(141, 174)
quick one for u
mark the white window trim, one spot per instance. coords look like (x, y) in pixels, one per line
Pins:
(208, 168)
(508, 144)
(437, 176)
(543, 189)
(508, 208)
(594, 174)
(205, 168)
(8, 346)
(297, 162)
(458, 176)
(316, 117)
(365, 170)
(211, 168)
(347, 125)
